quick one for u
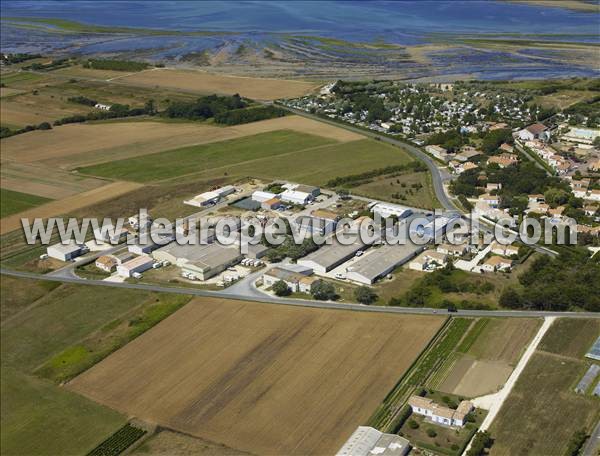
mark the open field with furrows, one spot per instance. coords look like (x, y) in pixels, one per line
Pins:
(260, 378)
(486, 356)
(207, 83)
(67, 205)
(41, 180)
(265, 156)
(12, 202)
(75, 145)
(543, 412)
(51, 332)
(171, 443)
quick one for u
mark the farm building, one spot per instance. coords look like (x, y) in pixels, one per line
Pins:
(296, 197)
(386, 210)
(331, 255)
(138, 264)
(381, 261)
(439, 413)
(212, 197)
(296, 281)
(366, 441)
(107, 263)
(312, 190)
(65, 252)
(204, 261)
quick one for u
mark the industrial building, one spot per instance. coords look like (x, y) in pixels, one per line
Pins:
(203, 261)
(262, 196)
(331, 255)
(387, 210)
(296, 197)
(319, 222)
(137, 265)
(432, 228)
(66, 252)
(212, 197)
(367, 441)
(380, 261)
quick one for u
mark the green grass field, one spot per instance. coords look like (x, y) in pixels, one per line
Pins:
(274, 155)
(51, 334)
(216, 157)
(39, 418)
(14, 202)
(571, 337)
(543, 412)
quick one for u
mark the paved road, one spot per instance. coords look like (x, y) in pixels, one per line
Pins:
(300, 302)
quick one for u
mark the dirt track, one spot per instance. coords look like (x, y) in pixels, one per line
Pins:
(260, 379)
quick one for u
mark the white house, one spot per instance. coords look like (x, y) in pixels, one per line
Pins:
(107, 263)
(497, 263)
(440, 414)
(535, 131)
(504, 250)
(490, 200)
(138, 264)
(103, 107)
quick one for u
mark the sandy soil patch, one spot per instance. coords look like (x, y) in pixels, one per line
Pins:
(67, 205)
(482, 377)
(78, 145)
(207, 83)
(38, 180)
(260, 378)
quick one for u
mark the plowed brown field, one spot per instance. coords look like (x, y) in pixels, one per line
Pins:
(260, 378)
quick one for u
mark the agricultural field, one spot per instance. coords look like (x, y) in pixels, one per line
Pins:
(207, 83)
(12, 202)
(486, 356)
(75, 145)
(68, 205)
(254, 379)
(51, 332)
(543, 412)
(171, 443)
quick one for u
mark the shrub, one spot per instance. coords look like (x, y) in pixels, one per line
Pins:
(280, 288)
(365, 295)
(413, 424)
(431, 432)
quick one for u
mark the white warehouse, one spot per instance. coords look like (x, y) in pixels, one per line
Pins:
(66, 252)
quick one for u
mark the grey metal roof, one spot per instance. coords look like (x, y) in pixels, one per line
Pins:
(329, 255)
(380, 260)
(594, 352)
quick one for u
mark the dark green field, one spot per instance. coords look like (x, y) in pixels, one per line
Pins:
(51, 332)
(14, 202)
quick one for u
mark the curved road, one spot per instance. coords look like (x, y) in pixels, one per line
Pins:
(438, 176)
(300, 302)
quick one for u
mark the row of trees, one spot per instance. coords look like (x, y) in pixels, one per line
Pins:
(6, 132)
(115, 65)
(204, 107)
(115, 111)
(353, 180)
(247, 115)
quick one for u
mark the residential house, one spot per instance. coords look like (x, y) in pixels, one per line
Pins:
(453, 249)
(107, 263)
(497, 263)
(535, 131)
(291, 278)
(439, 413)
(490, 200)
(504, 250)
(504, 160)
(504, 147)
(492, 186)
(593, 195)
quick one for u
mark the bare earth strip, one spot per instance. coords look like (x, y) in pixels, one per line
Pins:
(39, 180)
(257, 378)
(69, 204)
(77, 145)
(207, 83)
(483, 377)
